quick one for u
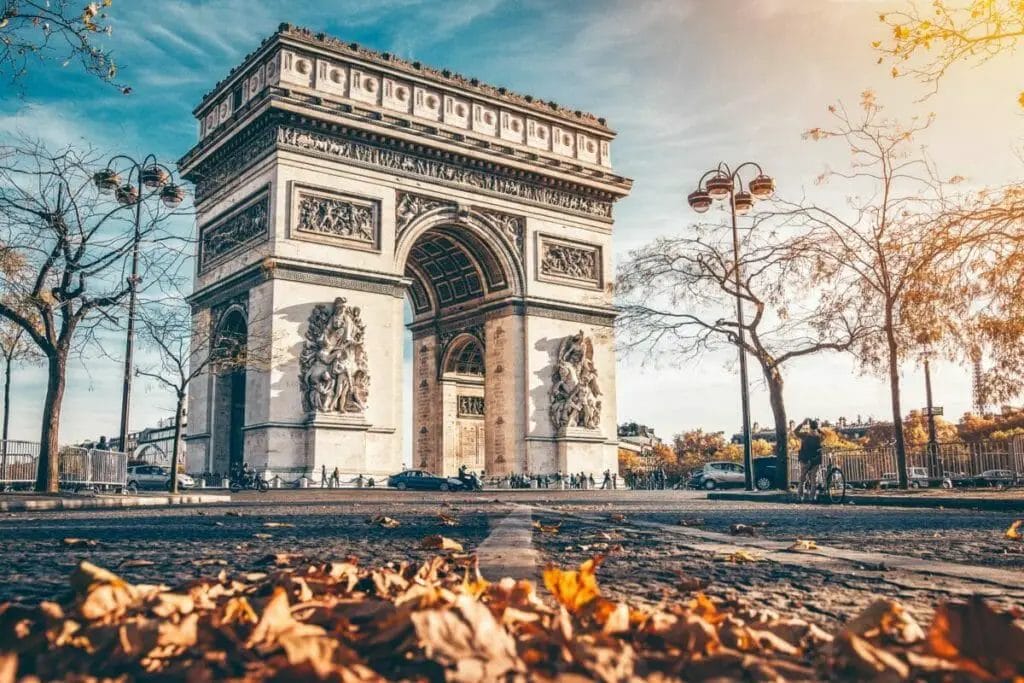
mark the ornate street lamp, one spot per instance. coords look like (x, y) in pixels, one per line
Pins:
(717, 184)
(153, 176)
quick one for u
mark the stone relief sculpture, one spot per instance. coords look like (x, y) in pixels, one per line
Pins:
(333, 371)
(574, 392)
(411, 206)
(337, 218)
(565, 261)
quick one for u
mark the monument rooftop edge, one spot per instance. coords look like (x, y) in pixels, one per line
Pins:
(369, 87)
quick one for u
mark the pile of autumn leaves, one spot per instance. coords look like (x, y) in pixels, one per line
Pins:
(300, 620)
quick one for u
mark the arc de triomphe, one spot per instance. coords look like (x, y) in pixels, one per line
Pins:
(333, 184)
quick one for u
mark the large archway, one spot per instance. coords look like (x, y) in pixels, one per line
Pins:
(455, 264)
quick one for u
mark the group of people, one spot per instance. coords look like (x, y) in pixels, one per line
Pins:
(333, 481)
(654, 479)
(559, 480)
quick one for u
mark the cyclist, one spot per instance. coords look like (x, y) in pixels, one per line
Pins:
(810, 455)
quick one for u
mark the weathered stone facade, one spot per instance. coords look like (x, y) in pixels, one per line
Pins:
(332, 183)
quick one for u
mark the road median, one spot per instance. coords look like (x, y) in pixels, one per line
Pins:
(18, 502)
(923, 499)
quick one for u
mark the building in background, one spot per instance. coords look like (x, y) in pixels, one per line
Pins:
(153, 445)
(851, 430)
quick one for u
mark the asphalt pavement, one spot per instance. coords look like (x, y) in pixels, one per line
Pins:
(656, 543)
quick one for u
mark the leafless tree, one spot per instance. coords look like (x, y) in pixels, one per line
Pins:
(15, 347)
(900, 243)
(55, 30)
(188, 346)
(678, 296)
(66, 248)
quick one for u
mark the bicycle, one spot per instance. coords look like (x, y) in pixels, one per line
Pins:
(829, 485)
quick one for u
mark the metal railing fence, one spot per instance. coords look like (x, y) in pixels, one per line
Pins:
(78, 467)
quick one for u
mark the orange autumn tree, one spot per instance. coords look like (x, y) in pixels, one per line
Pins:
(928, 38)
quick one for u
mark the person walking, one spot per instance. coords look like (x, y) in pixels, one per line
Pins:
(336, 479)
(607, 483)
(323, 476)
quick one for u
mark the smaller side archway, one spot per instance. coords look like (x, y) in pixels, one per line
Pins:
(229, 344)
(463, 400)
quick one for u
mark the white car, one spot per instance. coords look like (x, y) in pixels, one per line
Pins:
(155, 477)
(720, 475)
(917, 477)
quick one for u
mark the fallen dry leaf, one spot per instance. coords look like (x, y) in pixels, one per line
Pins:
(439, 542)
(447, 520)
(384, 522)
(263, 537)
(1013, 533)
(617, 517)
(742, 530)
(803, 544)
(136, 563)
(547, 528)
(209, 561)
(80, 543)
(278, 525)
(573, 588)
(691, 583)
(740, 556)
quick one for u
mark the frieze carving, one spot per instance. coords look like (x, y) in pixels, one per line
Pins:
(442, 171)
(225, 236)
(471, 406)
(563, 260)
(513, 227)
(574, 391)
(337, 217)
(445, 337)
(409, 207)
(333, 371)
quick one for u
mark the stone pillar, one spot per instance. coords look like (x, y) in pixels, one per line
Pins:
(505, 401)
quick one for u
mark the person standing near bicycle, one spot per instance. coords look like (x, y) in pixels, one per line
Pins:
(809, 456)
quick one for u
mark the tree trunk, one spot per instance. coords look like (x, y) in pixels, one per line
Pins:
(775, 385)
(48, 471)
(179, 413)
(897, 411)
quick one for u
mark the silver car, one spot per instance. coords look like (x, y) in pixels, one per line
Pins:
(156, 478)
(721, 475)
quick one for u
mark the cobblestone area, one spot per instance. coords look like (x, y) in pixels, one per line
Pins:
(642, 561)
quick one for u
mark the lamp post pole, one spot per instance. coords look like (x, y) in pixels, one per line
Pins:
(151, 174)
(748, 458)
(933, 440)
(720, 183)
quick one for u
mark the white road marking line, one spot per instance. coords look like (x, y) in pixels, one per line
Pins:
(508, 550)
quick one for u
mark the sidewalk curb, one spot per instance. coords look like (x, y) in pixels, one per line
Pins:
(108, 502)
(987, 504)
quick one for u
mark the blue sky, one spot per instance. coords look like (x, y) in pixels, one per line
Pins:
(686, 83)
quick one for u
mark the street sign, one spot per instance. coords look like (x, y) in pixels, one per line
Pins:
(936, 410)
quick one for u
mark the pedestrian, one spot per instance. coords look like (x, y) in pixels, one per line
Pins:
(809, 456)
(359, 481)
(370, 483)
(607, 483)
(590, 481)
(323, 476)
(336, 479)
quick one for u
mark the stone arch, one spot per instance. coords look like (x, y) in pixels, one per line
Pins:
(493, 255)
(230, 339)
(464, 355)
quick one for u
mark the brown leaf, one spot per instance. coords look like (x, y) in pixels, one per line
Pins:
(103, 593)
(136, 563)
(447, 520)
(1013, 533)
(546, 528)
(742, 530)
(854, 658)
(691, 583)
(740, 557)
(574, 588)
(617, 517)
(973, 631)
(886, 619)
(439, 542)
(467, 638)
(79, 543)
(278, 525)
(277, 620)
(803, 544)
(209, 562)
(385, 522)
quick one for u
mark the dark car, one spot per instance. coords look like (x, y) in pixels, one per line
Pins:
(993, 478)
(423, 481)
(764, 473)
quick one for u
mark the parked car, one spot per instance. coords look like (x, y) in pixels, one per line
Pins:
(917, 477)
(155, 477)
(719, 475)
(993, 478)
(764, 473)
(423, 481)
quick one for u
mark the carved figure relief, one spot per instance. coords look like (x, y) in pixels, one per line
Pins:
(563, 260)
(409, 207)
(511, 226)
(242, 227)
(333, 372)
(335, 217)
(471, 406)
(574, 392)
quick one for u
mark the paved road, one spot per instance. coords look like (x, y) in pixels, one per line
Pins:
(919, 555)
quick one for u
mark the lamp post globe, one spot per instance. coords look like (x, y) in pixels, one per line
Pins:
(154, 177)
(106, 180)
(172, 195)
(719, 186)
(699, 200)
(744, 202)
(762, 187)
